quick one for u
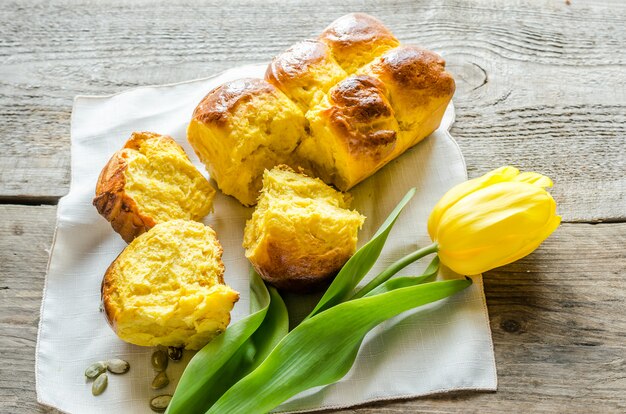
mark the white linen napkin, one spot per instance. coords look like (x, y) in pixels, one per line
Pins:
(441, 347)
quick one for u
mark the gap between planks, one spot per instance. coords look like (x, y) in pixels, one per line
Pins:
(53, 201)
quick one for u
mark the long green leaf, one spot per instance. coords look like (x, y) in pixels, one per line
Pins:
(322, 349)
(230, 356)
(406, 281)
(274, 327)
(360, 263)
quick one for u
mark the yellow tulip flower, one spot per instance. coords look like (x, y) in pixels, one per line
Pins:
(493, 220)
(485, 223)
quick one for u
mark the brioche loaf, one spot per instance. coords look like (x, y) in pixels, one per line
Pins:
(167, 287)
(346, 104)
(149, 181)
(301, 233)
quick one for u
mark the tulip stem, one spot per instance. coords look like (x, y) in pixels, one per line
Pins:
(395, 268)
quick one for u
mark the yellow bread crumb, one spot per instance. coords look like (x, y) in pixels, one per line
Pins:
(167, 287)
(151, 180)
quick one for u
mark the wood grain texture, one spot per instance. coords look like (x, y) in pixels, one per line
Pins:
(558, 319)
(541, 84)
(25, 240)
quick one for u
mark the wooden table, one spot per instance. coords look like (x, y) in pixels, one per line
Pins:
(540, 85)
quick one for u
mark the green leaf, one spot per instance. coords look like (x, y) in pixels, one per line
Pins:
(406, 281)
(360, 263)
(274, 327)
(233, 354)
(322, 349)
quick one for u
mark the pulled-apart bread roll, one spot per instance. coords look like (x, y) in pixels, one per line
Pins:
(150, 181)
(240, 129)
(301, 233)
(167, 287)
(354, 99)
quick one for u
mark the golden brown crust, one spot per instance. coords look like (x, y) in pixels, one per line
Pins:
(222, 101)
(357, 32)
(106, 290)
(296, 61)
(301, 233)
(114, 204)
(413, 68)
(288, 269)
(353, 29)
(138, 138)
(358, 106)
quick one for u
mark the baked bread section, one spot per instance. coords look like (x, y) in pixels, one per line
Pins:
(355, 100)
(419, 90)
(357, 38)
(370, 118)
(241, 128)
(167, 287)
(149, 181)
(301, 233)
(305, 72)
(353, 132)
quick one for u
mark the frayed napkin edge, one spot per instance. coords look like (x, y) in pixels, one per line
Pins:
(41, 310)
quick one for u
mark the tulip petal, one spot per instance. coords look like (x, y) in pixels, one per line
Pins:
(481, 262)
(495, 225)
(533, 178)
(538, 238)
(474, 264)
(499, 209)
(456, 193)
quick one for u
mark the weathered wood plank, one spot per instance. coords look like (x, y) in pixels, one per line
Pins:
(25, 239)
(558, 321)
(540, 83)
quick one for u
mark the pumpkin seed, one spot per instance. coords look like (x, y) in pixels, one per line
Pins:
(95, 369)
(175, 353)
(160, 381)
(118, 366)
(100, 384)
(159, 360)
(159, 403)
